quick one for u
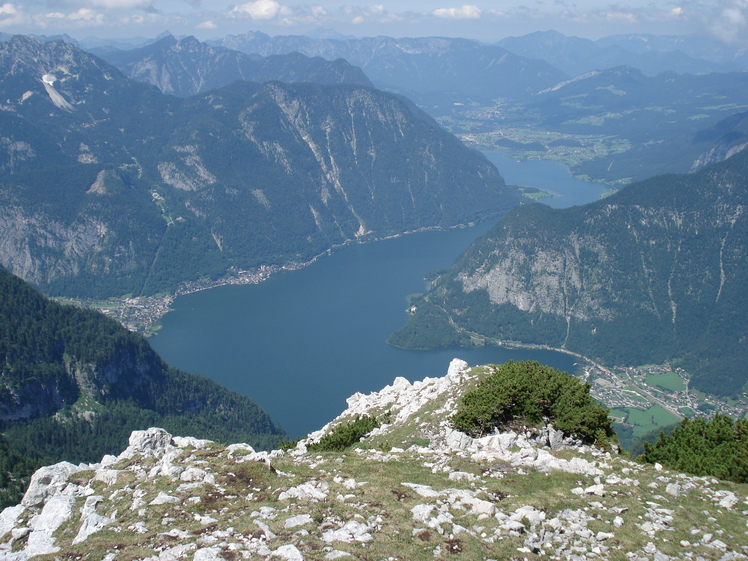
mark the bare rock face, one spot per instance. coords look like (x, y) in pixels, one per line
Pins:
(47, 482)
(153, 442)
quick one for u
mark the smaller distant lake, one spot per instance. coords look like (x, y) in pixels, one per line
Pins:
(547, 175)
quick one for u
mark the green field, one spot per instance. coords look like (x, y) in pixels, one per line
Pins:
(644, 421)
(669, 382)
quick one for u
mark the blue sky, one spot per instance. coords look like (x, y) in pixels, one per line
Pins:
(487, 21)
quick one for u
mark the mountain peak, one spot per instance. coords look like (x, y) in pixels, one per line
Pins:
(409, 488)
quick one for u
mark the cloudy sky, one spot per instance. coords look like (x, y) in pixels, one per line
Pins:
(483, 20)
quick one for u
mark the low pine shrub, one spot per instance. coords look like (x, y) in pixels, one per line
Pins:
(345, 435)
(530, 393)
(718, 448)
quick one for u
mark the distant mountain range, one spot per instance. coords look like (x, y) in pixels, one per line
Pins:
(186, 67)
(651, 54)
(109, 187)
(435, 72)
(651, 274)
(650, 96)
(665, 120)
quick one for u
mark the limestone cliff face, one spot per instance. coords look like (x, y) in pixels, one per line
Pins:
(123, 377)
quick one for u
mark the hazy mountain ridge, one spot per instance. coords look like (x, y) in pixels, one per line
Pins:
(133, 190)
(662, 122)
(433, 71)
(650, 54)
(731, 136)
(413, 487)
(186, 67)
(649, 275)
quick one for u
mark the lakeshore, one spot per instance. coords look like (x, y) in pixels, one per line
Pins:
(318, 329)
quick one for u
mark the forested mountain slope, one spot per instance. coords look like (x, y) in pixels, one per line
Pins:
(74, 383)
(654, 273)
(109, 187)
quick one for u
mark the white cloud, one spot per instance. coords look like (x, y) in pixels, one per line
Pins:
(120, 4)
(358, 19)
(730, 21)
(621, 16)
(209, 24)
(468, 11)
(10, 15)
(263, 9)
(86, 15)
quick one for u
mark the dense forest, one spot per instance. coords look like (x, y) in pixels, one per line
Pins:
(75, 383)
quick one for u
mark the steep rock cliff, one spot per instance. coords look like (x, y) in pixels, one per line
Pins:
(651, 274)
(110, 187)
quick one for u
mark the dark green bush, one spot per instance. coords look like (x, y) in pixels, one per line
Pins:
(718, 448)
(345, 435)
(531, 394)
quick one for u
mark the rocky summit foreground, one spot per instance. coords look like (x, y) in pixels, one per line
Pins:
(412, 489)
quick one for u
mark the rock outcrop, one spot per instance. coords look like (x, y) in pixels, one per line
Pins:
(412, 489)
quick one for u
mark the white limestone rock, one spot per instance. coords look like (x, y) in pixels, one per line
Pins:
(299, 520)
(162, 499)
(91, 522)
(196, 443)
(350, 532)
(288, 552)
(422, 512)
(9, 517)
(47, 481)
(529, 513)
(727, 499)
(306, 492)
(232, 449)
(208, 554)
(401, 398)
(598, 490)
(153, 442)
(56, 511)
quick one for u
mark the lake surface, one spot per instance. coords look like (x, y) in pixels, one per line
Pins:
(302, 342)
(547, 175)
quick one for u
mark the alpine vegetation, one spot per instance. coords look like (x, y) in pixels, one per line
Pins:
(413, 488)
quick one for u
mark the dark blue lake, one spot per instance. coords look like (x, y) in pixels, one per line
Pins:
(302, 342)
